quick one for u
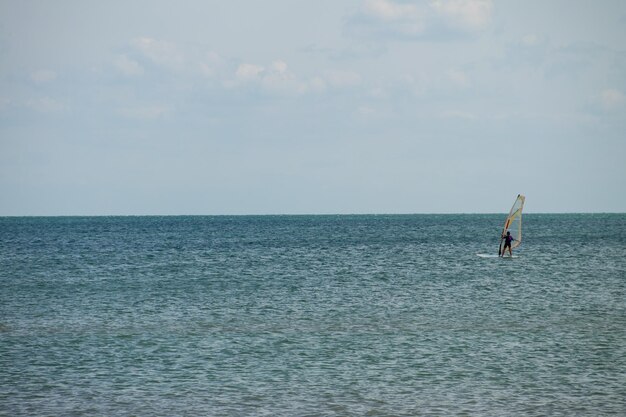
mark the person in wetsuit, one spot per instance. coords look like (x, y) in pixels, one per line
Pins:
(508, 239)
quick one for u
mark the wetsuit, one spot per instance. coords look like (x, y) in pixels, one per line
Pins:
(507, 241)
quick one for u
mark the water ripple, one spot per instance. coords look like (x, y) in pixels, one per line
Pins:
(312, 316)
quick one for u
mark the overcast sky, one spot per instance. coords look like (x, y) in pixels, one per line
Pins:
(325, 106)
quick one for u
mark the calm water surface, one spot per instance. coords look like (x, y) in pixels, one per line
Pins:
(312, 316)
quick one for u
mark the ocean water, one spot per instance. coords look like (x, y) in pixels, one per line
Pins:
(312, 316)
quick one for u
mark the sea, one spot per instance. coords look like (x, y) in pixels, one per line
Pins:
(346, 315)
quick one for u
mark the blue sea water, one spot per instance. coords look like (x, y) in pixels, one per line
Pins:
(312, 316)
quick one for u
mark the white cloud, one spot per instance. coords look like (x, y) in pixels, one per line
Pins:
(128, 66)
(438, 19)
(317, 85)
(148, 112)
(46, 105)
(365, 111)
(210, 63)
(458, 78)
(612, 99)
(43, 76)
(457, 114)
(531, 40)
(187, 59)
(207, 70)
(465, 14)
(378, 93)
(389, 10)
(279, 79)
(162, 53)
(385, 16)
(248, 72)
(279, 67)
(416, 84)
(342, 78)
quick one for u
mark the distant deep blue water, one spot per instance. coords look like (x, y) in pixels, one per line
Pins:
(312, 316)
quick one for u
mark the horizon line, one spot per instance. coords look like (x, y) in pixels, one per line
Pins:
(302, 214)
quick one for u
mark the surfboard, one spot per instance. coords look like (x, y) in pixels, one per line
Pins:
(487, 255)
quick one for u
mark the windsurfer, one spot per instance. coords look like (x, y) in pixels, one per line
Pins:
(508, 239)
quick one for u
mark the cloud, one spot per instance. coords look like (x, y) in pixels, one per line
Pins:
(458, 78)
(342, 78)
(147, 112)
(530, 40)
(457, 114)
(127, 66)
(46, 105)
(390, 11)
(162, 53)
(365, 111)
(210, 63)
(278, 79)
(197, 64)
(331, 81)
(249, 72)
(369, 50)
(317, 84)
(387, 18)
(438, 19)
(612, 99)
(378, 93)
(43, 76)
(279, 67)
(468, 15)
(531, 49)
(186, 59)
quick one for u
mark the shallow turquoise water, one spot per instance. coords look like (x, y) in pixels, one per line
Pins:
(311, 316)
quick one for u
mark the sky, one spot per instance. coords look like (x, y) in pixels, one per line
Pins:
(311, 107)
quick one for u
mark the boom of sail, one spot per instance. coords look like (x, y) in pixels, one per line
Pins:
(513, 224)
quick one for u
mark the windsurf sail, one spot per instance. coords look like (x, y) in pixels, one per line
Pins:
(513, 224)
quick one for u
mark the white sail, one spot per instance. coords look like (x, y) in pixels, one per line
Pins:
(513, 224)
